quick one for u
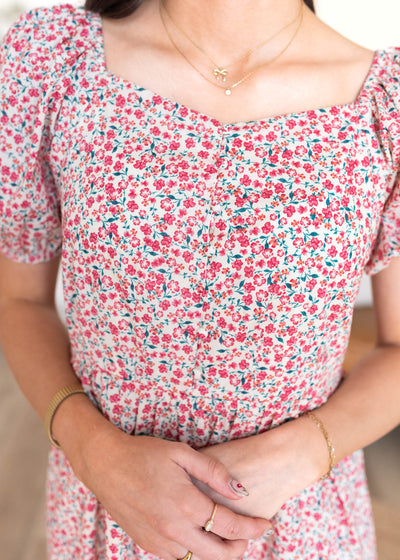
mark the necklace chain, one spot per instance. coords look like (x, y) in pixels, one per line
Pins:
(228, 89)
(221, 71)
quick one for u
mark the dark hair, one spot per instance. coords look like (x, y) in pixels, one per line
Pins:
(122, 8)
(310, 4)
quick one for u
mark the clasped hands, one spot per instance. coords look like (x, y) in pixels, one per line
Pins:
(273, 466)
(162, 493)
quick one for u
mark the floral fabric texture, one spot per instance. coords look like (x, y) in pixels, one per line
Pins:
(209, 271)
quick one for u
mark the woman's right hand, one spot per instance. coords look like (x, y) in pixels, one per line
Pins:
(144, 483)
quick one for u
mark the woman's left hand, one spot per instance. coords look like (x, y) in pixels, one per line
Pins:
(273, 466)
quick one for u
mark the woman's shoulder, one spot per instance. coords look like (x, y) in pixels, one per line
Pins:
(386, 78)
(50, 32)
(383, 94)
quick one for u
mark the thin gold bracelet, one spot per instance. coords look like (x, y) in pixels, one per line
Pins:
(55, 402)
(331, 449)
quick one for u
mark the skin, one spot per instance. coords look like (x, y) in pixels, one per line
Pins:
(160, 492)
(320, 68)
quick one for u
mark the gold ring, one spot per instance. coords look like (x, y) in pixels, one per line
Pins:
(187, 556)
(210, 522)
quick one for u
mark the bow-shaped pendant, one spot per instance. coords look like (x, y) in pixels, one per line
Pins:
(221, 73)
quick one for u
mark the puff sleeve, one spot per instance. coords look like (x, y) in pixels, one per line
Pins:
(387, 241)
(30, 215)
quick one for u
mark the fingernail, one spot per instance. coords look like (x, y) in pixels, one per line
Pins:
(269, 533)
(238, 488)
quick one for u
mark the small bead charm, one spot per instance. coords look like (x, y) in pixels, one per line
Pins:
(228, 92)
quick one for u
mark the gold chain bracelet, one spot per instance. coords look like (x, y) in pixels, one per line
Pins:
(331, 449)
(55, 402)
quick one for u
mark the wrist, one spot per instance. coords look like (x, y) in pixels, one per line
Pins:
(77, 423)
(306, 448)
(58, 398)
(313, 447)
(331, 450)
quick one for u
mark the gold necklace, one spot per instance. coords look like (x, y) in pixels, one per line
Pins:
(228, 89)
(221, 72)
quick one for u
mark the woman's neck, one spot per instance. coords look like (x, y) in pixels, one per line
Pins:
(229, 27)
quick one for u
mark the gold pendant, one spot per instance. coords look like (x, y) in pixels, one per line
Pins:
(220, 73)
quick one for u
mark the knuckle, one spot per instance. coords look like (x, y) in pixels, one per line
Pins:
(232, 531)
(187, 508)
(167, 528)
(176, 445)
(215, 468)
(179, 448)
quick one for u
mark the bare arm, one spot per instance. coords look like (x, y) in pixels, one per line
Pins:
(366, 406)
(165, 519)
(279, 463)
(36, 345)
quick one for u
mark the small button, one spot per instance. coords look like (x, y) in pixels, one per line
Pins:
(197, 371)
(202, 331)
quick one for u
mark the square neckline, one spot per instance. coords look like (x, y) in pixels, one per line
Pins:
(204, 117)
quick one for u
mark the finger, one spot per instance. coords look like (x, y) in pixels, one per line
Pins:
(210, 471)
(173, 540)
(207, 545)
(230, 525)
(198, 508)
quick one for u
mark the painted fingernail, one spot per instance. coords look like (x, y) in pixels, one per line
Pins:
(238, 488)
(269, 533)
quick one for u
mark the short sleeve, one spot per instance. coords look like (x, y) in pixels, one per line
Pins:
(30, 216)
(387, 240)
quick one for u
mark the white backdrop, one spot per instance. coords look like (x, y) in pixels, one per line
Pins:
(371, 23)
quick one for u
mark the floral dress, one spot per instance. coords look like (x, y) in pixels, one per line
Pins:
(209, 271)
